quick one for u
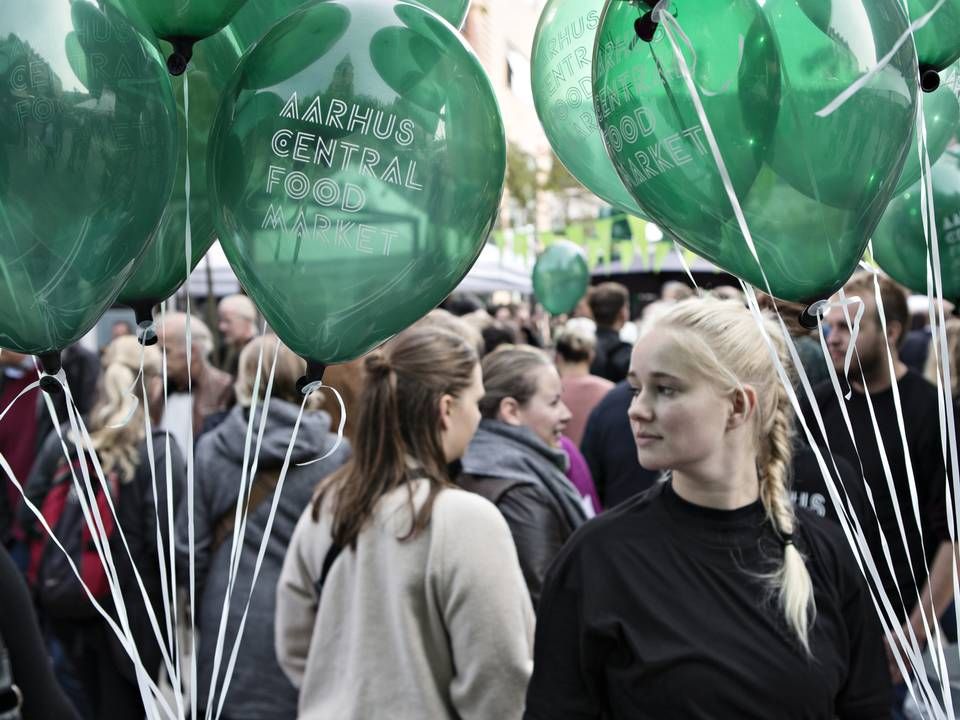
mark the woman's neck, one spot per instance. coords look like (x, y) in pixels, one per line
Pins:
(720, 489)
(573, 369)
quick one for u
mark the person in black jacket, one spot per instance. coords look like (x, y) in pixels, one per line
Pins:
(610, 305)
(37, 691)
(117, 431)
(515, 459)
(708, 596)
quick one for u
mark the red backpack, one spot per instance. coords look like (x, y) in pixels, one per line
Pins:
(49, 573)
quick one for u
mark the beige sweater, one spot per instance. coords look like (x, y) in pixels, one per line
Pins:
(436, 627)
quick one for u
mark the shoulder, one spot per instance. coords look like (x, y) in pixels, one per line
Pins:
(913, 386)
(458, 507)
(826, 547)
(617, 397)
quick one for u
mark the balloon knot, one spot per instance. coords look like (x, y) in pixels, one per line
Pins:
(808, 318)
(313, 377)
(181, 55)
(929, 78)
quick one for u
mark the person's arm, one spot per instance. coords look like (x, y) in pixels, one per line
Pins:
(866, 691)
(563, 685)
(32, 671)
(591, 446)
(937, 593)
(296, 605)
(537, 530)
(485, 607)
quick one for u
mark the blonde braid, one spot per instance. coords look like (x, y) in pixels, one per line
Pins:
(792, 580)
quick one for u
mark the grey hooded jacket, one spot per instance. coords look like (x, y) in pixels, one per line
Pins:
(258, 689)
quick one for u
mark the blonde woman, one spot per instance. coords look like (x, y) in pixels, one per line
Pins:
(118, 433)
(707, 596)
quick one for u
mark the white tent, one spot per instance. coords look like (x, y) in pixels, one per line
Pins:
(492, 271)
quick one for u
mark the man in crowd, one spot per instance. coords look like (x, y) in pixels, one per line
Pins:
(610, 306)
(237, 322)
(211, 390)
(870, 378)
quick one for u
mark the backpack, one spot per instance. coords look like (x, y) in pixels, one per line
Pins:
(49, 573)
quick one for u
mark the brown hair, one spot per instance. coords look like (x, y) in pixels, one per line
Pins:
(932, 367)
(289, 369)
(399, 419)
(508, 372)
(574, 346)
(606, 300)
(892, 295)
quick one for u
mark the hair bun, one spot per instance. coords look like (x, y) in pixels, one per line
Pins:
(377, 365)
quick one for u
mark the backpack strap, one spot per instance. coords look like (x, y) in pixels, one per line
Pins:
(264, 485)
(328, 560)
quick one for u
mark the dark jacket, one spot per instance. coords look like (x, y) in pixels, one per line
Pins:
(524, 477)
(258, 689)
(137, 516)
(611, 451)
(612, 356)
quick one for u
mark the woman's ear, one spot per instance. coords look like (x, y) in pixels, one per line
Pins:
(446, 408)
(743, 404)
(509, 412)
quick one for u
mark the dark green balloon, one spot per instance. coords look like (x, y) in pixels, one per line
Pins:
(560, 75)
(356, 166)
(258, 16)
(899, 246)
(812, 189)
(164, 267)
(87, 159)
(938, 42)
(193, 19)
(941, 114)
(561, 277)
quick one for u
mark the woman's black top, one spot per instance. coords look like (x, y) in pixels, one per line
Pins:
(32, 672)
(657, 609)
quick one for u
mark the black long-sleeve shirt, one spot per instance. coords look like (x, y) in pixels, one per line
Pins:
(32, 672)
(919, 402)
(656, 610)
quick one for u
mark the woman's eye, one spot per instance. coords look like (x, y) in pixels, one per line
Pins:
(635, 392)
(667, 390)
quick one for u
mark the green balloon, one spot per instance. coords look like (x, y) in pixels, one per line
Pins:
(561, 277)
(938, 42)
(356, 166)
(87, 158)
(899, 246)
(812, 189)
(560, 75)
(941, 114)
(258, 16)
(164, 267)
(186, 19)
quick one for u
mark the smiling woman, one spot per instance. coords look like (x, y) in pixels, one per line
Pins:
(707, 596)
(515, 459)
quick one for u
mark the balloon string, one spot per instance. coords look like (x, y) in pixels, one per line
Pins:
(343, 419)
(860, 82)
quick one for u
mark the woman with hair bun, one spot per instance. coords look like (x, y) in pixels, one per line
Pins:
(707, 596)
(401, 595)
(581, 390)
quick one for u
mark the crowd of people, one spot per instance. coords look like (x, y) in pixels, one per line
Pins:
(612, 515)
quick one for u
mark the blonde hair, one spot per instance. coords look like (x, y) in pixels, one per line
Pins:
(574, 345)
(115, 430)
(289, 369)
(722, 341)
